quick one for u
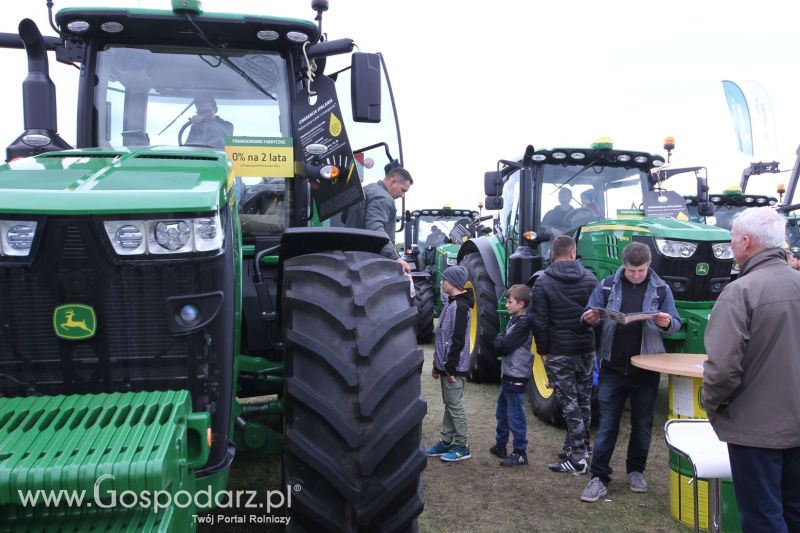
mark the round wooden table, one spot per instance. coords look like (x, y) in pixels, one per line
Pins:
(685, 372)
(679, 364)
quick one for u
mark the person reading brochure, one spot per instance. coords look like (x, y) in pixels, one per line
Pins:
(634, 288)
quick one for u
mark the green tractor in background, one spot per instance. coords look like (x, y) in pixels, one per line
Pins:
(622, 202)
(733, 199)
(152, 292)
(432, 239)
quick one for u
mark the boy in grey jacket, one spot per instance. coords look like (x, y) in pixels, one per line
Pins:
(514, 346)
(451, 363)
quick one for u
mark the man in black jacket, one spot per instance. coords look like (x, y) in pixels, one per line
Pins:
(566, 347)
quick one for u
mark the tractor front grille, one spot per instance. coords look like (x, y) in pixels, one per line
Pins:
(133, 348)
(700, 277)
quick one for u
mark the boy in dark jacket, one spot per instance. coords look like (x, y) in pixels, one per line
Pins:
(451, 363)
(567, 347)
(514, 346)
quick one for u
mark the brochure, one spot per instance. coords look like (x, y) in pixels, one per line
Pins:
(624, 318)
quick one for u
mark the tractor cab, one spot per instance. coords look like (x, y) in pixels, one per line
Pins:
(432, 240)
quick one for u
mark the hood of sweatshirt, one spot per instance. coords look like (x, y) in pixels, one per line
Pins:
(566, 271)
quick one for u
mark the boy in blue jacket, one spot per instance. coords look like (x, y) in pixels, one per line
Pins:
(514, 346)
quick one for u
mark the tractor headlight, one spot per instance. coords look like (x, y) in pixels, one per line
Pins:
(672, 248)
(16, 237)
(722, 250)
(165, 236)
(170, 236)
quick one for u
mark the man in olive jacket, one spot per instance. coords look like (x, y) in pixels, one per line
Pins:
(378, 211)
(751, 381)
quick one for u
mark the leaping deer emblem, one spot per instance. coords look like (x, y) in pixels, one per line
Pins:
(70, 323)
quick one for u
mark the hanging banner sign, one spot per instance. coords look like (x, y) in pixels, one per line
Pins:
(319, 121)
(267, 157)
(665, 204)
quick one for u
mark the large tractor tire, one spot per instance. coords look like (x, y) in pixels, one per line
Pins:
(424, 301)
(484, 367)
(542, 396)
(353, 423)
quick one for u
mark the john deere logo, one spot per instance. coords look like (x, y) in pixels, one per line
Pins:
(701, 269)
(74, 322)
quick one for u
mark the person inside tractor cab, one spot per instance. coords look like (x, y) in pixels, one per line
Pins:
(207, 128)
(587, 212)
(556, 219)
(435, 237)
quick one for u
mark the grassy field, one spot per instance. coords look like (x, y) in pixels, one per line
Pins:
(479, 495)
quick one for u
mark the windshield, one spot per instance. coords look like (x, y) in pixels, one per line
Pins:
(175, 96)
(432, 230)
(573, 196)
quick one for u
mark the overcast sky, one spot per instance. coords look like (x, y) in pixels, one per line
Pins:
(477, 82)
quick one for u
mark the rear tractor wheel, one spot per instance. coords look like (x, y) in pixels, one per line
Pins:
(354, 413)
(424, 301)
(484, 365)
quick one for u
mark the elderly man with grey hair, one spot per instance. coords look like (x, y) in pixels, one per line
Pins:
(751, 381)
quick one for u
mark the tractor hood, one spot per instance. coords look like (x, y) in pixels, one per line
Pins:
(141, 180)
(668, 228)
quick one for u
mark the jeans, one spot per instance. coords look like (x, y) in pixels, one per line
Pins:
(613, 390)
(454, 421)
(511, 415)
(767, 486)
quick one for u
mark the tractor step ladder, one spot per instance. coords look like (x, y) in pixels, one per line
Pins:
(95, 447)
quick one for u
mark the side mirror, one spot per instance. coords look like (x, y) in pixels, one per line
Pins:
(493, 203)
(493, 184)
(365, 89)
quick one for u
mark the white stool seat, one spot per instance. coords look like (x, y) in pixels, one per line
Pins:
(695, 440)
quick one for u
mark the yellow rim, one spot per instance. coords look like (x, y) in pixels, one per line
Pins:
(473, 327)
(539, 375)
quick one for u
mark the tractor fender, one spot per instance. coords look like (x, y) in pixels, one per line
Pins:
(482, 246)
(301, 241)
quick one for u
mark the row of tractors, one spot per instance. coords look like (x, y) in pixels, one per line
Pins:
(623, 199)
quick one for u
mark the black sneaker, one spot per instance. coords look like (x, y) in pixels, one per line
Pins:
(515, 459)
(570, 466)
(499, 451)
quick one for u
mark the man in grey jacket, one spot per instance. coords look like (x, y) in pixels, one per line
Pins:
(751, 381)
(378, 211)
(634, 288)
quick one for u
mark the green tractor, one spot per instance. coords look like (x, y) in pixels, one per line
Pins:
(622, 202)
(734, 199)
(155, 290)
(432, 240)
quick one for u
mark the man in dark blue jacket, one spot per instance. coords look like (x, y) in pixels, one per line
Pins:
(567, 347)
